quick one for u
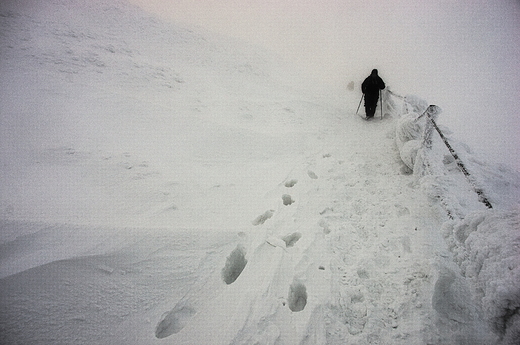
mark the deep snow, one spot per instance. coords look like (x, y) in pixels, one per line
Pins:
(160, 185)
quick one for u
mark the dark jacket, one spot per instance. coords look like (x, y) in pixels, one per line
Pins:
(372, 84)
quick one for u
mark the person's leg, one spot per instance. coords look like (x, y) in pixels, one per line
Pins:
(371, 103)
(368, 107)
(370, 110)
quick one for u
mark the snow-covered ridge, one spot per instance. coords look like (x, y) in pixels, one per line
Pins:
(163, 185)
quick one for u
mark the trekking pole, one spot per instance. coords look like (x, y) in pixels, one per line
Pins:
(381, 103)
(361, 100)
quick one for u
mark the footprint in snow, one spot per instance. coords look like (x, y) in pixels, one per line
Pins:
(235, 264)
(175, 320)
(312, 175)
(362, 273)
(287, 200)
(297, 298)
(263, 217)
(355, 312)
(325, 225)
(290, 240)
(291, 183)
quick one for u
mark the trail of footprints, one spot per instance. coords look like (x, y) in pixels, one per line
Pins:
(175, 320)
(297, 295)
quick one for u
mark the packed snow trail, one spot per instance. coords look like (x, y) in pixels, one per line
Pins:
(384, 241)
(362, 267)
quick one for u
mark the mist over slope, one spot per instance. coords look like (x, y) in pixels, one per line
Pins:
(461, 56)
(103, 84)
(165, 185)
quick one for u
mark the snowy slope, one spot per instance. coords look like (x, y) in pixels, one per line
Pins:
(160, 185)
(136, 111)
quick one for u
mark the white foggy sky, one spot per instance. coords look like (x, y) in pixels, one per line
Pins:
(340, 36)
(461, 55)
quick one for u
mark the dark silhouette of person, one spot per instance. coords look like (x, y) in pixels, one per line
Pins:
(370, 88)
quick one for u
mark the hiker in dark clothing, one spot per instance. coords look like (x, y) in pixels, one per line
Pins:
(370, 88)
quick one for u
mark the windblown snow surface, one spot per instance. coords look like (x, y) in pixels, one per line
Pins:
(160, 185)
